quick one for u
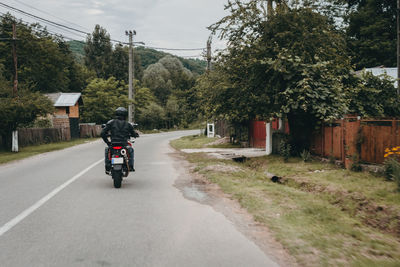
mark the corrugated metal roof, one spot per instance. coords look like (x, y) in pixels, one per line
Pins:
(67, 99)
(53, 96)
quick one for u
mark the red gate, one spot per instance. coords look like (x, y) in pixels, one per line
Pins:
(257, 134)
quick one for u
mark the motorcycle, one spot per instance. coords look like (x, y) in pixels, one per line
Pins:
(118, 155)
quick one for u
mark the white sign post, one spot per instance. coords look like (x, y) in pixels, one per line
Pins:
(210, 130)
(268, 139)
(14, 146)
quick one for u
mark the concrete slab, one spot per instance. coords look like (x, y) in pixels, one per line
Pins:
(228, 153)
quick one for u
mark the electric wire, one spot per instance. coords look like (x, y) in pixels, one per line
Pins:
(53, 33)
(47, 13)
(64, 27)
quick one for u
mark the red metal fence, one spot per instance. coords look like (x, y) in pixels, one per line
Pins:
(350, 138)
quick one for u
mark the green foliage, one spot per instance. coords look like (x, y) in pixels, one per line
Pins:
(157, 78)
(17, 111)
(364, 92)
(101, 98)
(98, 52)
(371, 32)
(392, 170)
(285, 150)
(42, 123)
(154, 116)
(292, 65)
(305, 155)
(78, 50)
(44, 61)
(119, 64)
(151, 56)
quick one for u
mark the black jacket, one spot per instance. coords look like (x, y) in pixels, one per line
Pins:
(121, 131)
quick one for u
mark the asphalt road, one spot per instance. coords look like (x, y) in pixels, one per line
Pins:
(60, 209)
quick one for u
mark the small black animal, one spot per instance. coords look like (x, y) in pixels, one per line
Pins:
(276, 179)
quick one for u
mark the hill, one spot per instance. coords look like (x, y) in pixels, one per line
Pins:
(147, 57)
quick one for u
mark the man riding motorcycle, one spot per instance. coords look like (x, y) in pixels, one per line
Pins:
(121, 131)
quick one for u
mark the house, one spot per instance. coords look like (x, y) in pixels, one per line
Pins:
(66, 114)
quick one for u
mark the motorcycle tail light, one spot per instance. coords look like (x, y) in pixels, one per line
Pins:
(117, 147)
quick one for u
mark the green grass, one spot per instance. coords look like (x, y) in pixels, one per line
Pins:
(323, 215)
(30, 151)
(192, 141)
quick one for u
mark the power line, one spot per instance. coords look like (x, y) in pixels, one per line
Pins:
(174, 49)
(47, 13)
(53, 33)
(64, 27)
(42, 19)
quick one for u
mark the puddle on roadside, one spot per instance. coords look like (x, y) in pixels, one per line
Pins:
(193, 192)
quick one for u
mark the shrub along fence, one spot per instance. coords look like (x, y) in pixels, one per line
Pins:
(352, 139)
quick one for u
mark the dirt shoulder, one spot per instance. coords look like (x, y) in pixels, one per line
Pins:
(197, 187)
(311, 214)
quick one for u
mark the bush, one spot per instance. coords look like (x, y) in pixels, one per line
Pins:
(284, 150)
(305, 155)
(392, 170)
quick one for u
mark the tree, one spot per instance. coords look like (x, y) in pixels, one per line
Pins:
(101, 98)
(98, 52)
(157, 78)
(292, 64)
(17, 111)
(44, 61)
(372, 32)
(120, 64)
(155, 116)
(365, 91)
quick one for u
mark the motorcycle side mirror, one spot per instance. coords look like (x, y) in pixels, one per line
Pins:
(103, 126)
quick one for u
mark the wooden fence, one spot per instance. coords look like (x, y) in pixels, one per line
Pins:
(89, 130)
(35, 136)
(350, 138)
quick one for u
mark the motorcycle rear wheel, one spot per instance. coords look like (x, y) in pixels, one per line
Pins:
(117, 177)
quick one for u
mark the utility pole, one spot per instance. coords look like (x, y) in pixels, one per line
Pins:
(14, 51)
(209, 52)
(398, 47)
(14, 145)
(131, 109)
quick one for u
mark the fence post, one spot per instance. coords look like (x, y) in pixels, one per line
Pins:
(14, 147)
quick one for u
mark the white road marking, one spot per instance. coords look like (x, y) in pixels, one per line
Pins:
(6, 227)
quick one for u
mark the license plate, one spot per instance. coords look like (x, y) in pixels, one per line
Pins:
(117, 160)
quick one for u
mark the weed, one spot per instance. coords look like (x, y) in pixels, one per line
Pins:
(305, 155)
(392, 171)
(284, 150)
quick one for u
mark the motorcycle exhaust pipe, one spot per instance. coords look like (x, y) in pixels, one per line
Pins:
(123, 152)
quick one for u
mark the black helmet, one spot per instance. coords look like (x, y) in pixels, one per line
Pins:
(121, 112)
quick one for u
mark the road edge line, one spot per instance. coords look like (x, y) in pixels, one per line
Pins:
(9, 225)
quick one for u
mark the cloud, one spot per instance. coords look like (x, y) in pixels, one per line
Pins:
(160, 23)
(94, 11)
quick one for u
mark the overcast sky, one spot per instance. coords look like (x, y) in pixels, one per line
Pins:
(158, 23)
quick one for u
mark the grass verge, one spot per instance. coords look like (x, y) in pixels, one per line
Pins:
(324, 216)
(29, 151)
(200, 141)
